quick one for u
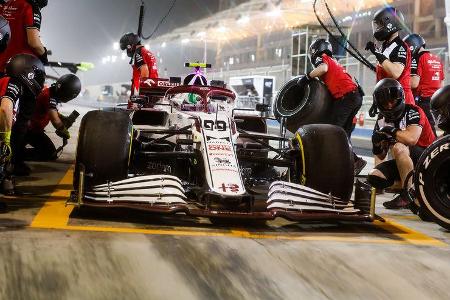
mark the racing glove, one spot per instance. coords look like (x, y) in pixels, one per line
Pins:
(379, 136)
(370, 46)
(5, 147)
(304, 80)
(63, 133)
(44, 57)
(390, 130)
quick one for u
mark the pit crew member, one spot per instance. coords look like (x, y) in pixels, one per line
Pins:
(440, 107)
(25, 76)
(24, 17)
(142, 60)
(427, 74)
(394, 56)
(404, 131)
(344, 90)
(65, 89)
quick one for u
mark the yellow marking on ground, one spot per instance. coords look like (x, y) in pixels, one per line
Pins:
(55, 215)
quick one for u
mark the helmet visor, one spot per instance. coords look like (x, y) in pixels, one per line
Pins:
(389, 98)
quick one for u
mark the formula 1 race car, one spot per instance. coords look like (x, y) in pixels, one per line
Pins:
(184, 149)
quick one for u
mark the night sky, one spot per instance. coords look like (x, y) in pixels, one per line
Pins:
(85, 29)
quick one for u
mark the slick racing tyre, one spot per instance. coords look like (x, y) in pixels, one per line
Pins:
(432, 181)
(325, 160)
(104, 143)
(302, 105)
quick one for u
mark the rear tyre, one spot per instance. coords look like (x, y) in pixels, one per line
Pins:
(432, 181)
(302, 105)
(104, 143)
(325, 162)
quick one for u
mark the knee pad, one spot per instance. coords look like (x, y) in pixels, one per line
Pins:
(378, 182)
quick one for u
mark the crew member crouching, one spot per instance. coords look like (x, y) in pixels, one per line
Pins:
(66, 88)
(25, 76)
(404, 131)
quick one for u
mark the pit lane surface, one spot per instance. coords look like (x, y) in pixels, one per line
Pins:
(50, 251)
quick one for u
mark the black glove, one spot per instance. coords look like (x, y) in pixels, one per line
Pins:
(304, 80)
(63, 133)
(64, 119)
(379, 136)
(370, 46)
(44, 57)
(373, 111)
(390, 130)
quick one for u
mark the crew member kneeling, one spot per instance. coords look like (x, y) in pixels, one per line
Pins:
(404, 131)
(66, 88)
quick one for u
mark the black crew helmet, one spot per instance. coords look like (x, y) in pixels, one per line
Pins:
(386, 22)
(67, 88)
(39, 3)
(415, 42)
(319, 47)
(128, 42)
(29, 70)
(5, 33)
(440, 108)
(389, 97)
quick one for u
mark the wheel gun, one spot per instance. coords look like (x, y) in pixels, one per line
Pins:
(68, 122)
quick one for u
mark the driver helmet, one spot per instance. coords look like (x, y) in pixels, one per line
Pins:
(67, 88)
(440, 108)
(389, 97)
(129, 41)
(386, 22)
(319, 47)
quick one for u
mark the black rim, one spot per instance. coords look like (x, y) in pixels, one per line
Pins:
(441, 184)
(289, 107)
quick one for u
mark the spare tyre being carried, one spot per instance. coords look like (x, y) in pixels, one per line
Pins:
(432, 180)
(300, 105)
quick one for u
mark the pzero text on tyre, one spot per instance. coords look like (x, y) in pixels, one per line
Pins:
(432, 180)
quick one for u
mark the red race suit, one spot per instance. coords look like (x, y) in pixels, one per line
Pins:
(431, 72)
(337, 80)
(142, 57)
(398, 52)
(21, 16)
(44, 103)
(414, 116)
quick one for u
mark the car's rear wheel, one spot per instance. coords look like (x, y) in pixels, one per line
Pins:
(324, 161)
(104, 144)
(301, 105)
(432, 181)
